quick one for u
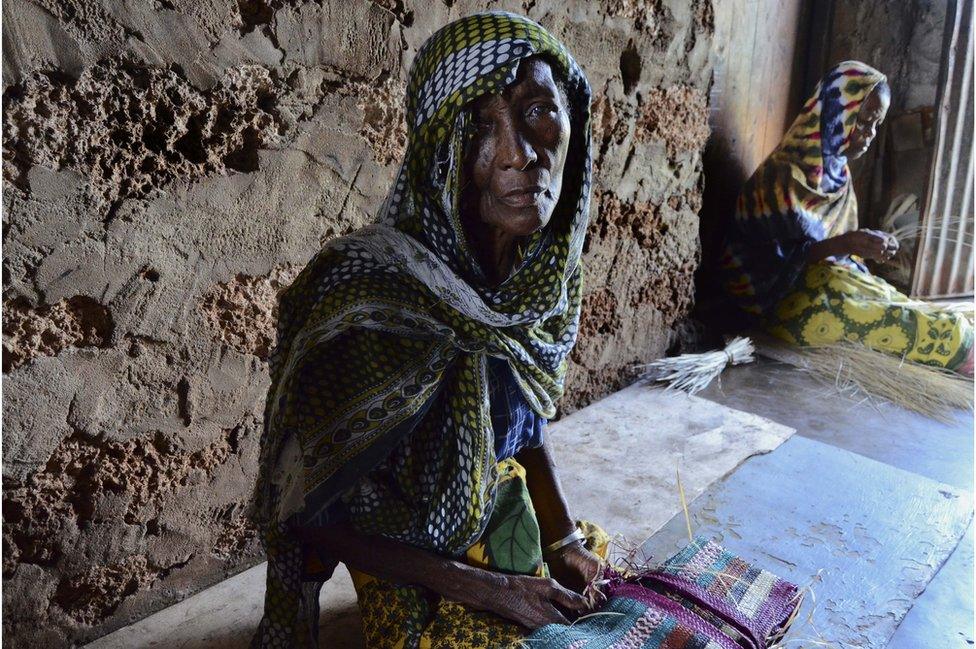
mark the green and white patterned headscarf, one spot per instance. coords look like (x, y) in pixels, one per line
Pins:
(379, 373)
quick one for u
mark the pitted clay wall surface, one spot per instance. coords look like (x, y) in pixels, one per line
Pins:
(169, 167)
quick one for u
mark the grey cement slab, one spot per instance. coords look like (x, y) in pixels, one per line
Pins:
(628, 443)
(938, 450)
(942, 616)
(883, 432)
(866, 536)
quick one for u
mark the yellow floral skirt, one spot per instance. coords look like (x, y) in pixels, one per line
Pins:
(834, 303)
(407, 617)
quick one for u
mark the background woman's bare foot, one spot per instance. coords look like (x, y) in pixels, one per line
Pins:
(966, 369)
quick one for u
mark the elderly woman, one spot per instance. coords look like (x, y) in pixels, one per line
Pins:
(793, 256)
(418, 360)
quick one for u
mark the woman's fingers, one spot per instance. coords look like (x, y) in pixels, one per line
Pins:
(873, 244)
(882, 244)
(879, 244)
(553, 616)
(600, 597)
(542, 612)
(533, 602)
(891, 246)
(566, 598)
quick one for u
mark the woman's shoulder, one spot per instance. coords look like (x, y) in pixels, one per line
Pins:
(339, 276)
(366, 252)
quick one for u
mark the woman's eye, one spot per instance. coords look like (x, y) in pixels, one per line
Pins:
(541, 109)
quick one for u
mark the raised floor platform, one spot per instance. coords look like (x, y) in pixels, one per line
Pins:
(865, 537)
(617, 460)
(942, 616)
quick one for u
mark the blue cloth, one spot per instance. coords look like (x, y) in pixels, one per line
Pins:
(516, 425)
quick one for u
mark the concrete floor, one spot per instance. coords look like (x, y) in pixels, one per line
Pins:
(943, 615)
(865, 537)
(882, 432)
(660, 429)
(645, 430)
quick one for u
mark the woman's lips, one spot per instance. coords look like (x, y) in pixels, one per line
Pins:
(525, 197)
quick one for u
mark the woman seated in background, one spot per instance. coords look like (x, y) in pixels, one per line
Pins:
(419, 357)
(793, 257)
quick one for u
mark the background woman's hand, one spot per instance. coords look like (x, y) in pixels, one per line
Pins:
(870, 244)
(532, 601)
(892, 246)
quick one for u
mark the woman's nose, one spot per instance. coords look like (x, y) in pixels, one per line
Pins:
(513, 149)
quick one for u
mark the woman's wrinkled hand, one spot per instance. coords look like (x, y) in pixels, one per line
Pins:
(533, 601)
(870, 244)
(575, 567)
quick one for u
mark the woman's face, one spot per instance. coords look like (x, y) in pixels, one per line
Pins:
(517, 158)
(872, 113)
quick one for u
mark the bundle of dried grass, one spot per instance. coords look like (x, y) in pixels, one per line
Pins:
(903, 221)
(859, 371)
(693, 372)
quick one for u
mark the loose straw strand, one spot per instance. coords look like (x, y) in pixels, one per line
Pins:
(684, 503)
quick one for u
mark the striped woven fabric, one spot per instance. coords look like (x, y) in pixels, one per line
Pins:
(704, 597)
(719, 586)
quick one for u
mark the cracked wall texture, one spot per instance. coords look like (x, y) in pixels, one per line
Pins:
(168, 168)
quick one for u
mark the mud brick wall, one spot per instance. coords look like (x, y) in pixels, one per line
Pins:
(168, 167)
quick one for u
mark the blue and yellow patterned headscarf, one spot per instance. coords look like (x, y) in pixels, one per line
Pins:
(379, 374)
(801, 193)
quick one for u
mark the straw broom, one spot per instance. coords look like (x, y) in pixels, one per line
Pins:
(693, 372)
(899, 268)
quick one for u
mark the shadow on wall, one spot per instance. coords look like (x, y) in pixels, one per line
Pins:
(725, 174)
(760, 53)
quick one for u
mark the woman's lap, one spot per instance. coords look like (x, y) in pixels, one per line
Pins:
(406, 617)
(832, 303)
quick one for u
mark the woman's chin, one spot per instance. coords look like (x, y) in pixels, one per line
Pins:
(528, 225)
(524, 221)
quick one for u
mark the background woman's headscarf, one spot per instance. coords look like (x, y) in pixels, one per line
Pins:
(382, 338)
(801, 194)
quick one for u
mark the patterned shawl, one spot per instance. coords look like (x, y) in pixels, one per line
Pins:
(799, 195)
(378, 380)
